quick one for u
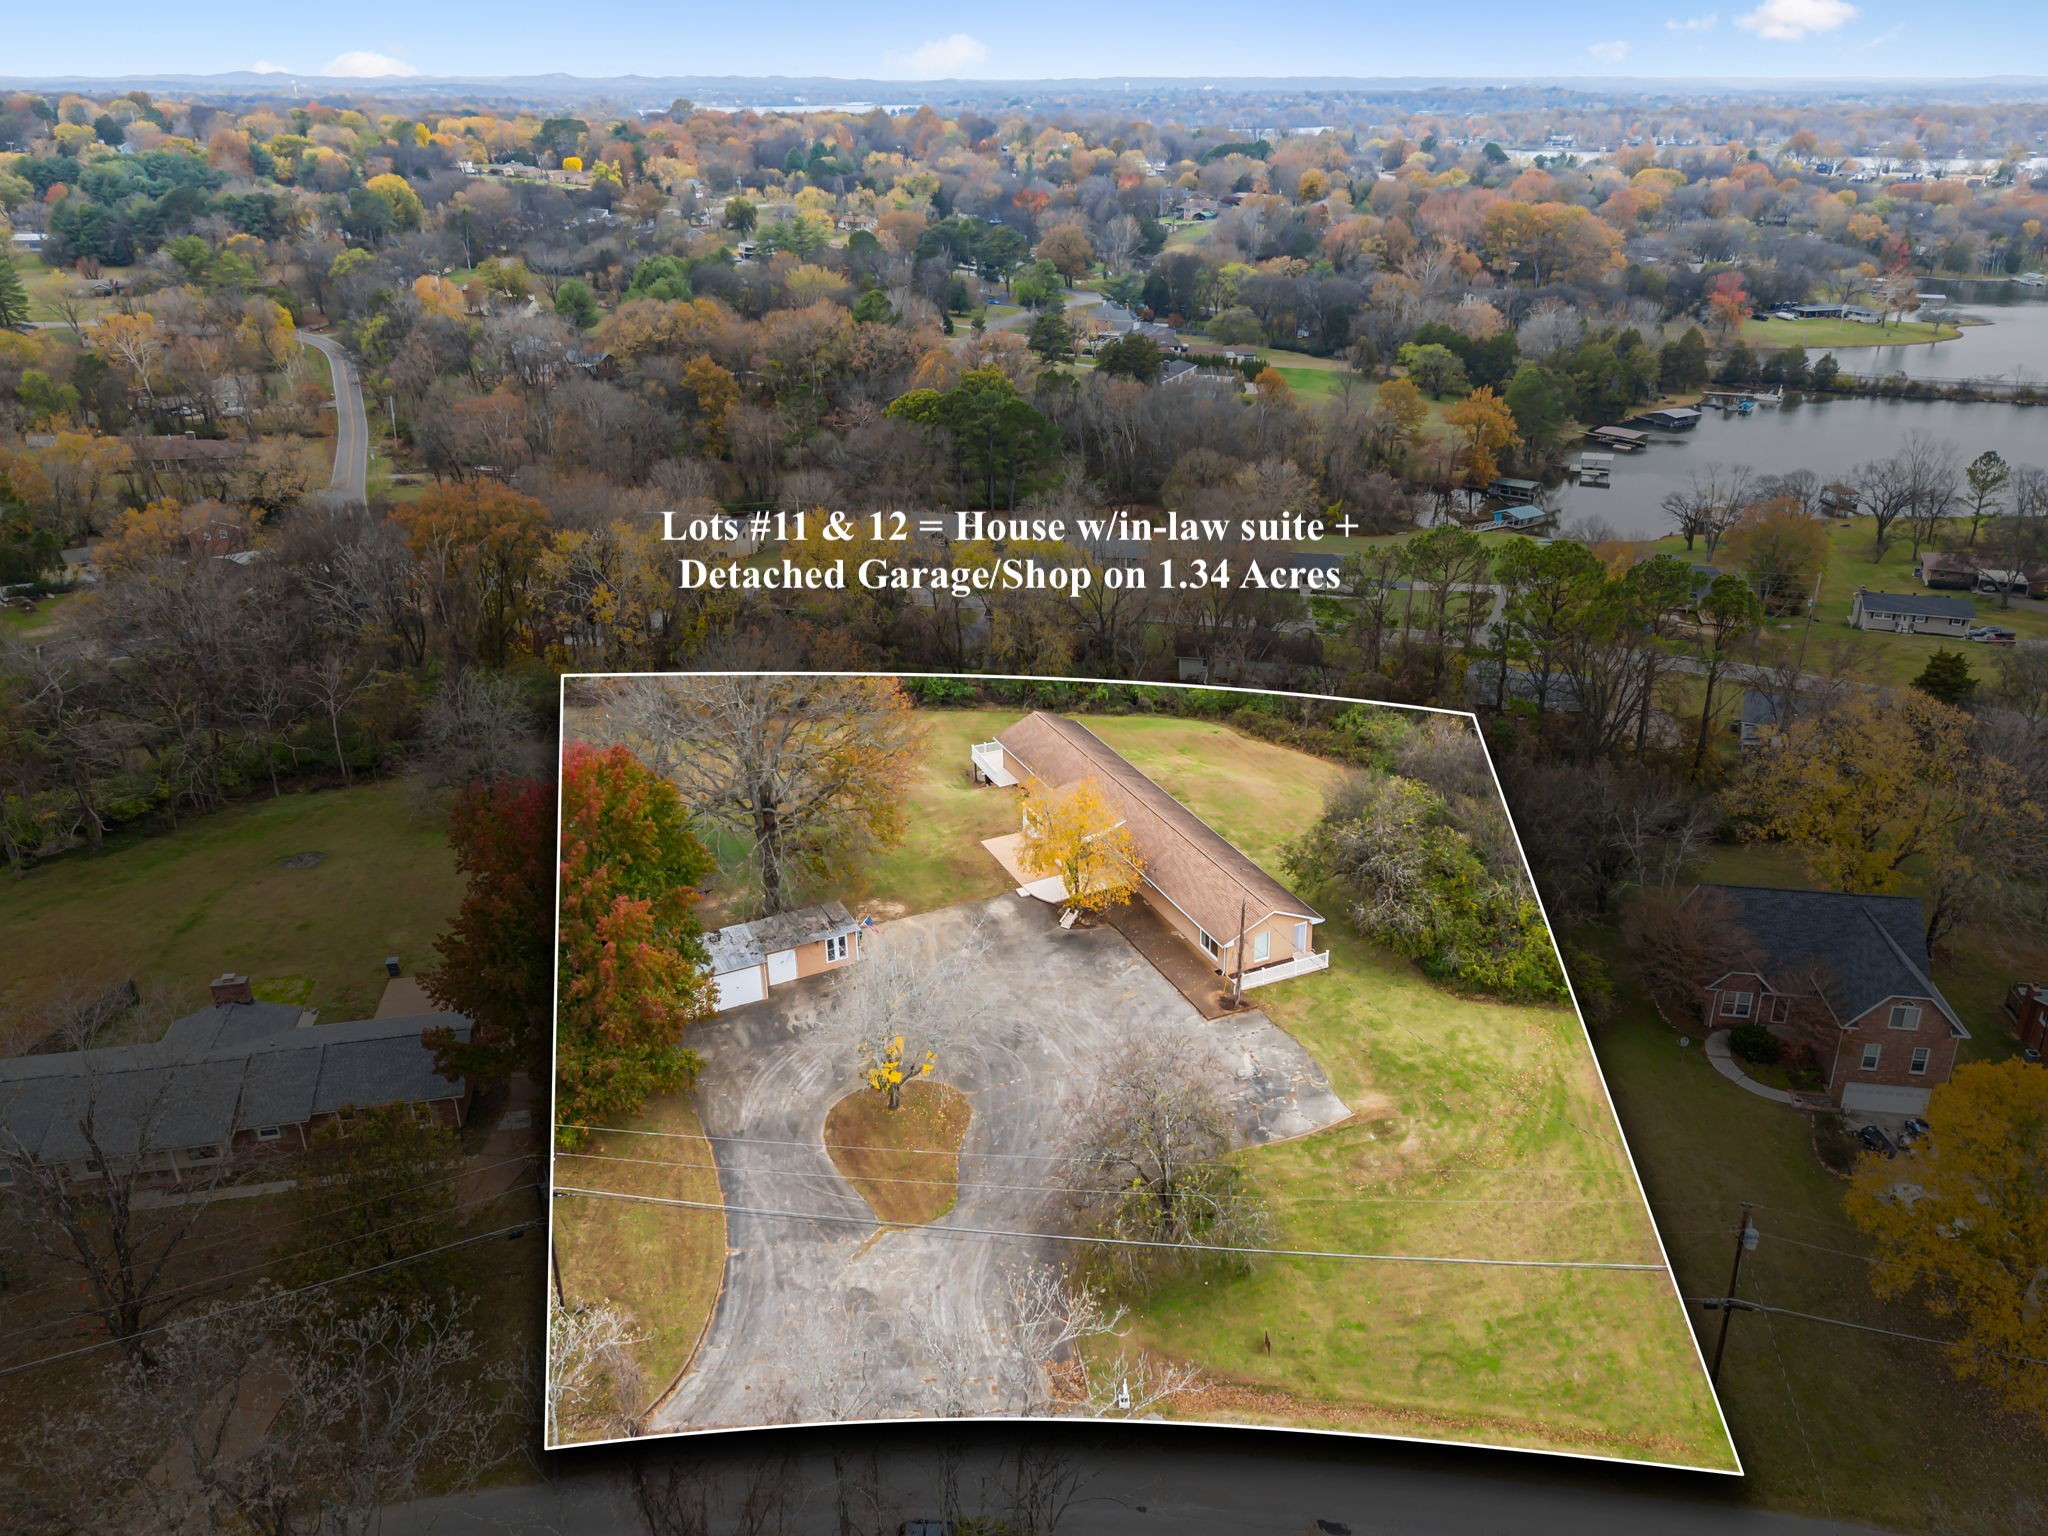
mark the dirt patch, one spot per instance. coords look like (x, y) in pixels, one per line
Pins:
(305, 861)
(905, 1162)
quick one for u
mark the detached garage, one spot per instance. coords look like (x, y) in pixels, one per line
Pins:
(749, 958)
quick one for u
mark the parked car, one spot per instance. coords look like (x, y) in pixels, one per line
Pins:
(1875, 1140)
(1915, 1127)
(1993, 634)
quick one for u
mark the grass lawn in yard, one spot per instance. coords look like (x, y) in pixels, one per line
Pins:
(1478, 1129)
(177, 908)
(661, 1264)
(47, 284)
(1819, 336)
(940, 860)
(890, 1155)
(1887, 657)
(1830, 1422)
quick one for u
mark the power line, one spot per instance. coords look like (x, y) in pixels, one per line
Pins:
(1116, 1242)
(1710, 1303)
(1075, 1189)
(264, 1300)
(282, 1258)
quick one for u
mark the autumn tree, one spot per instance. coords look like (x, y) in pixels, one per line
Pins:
(1728, 304)
(631, 957)
(375, 1190)
(1486, 429)
(1728, 614)
(1971, 1240)
(1780, 548)
(1878, 786)
(476, 546)
(911, 996)
(806, 774)
(1073, 832)
(494, 961)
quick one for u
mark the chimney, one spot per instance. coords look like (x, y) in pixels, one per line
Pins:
(230, 988)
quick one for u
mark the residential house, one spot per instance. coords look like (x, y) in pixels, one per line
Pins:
(1946, 568)
(749, 958)
(237, 1078)
(1912, 613)
(2027, 1003)
(1214, 896)
(1762, 713)
(1850, 972)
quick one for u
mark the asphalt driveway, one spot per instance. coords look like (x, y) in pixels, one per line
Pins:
(826, 1315)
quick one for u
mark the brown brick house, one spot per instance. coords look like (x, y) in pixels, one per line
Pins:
(1205, 888)
(1847, 976)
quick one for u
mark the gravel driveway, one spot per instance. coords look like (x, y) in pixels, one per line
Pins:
(824, 1314)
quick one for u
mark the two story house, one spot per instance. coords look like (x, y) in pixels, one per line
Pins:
(1848, 975)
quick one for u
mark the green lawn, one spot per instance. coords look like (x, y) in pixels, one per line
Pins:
(176, 909)
(1885, 657)
(1819, 336)
(1830, 1422)
(940, 860)
(1478, 1128)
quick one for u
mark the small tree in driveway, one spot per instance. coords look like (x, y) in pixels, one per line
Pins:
(911, 995)
(889, 1065)
(1075, 834)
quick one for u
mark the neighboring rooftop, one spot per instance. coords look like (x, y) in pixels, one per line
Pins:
(1859, 950)
(739, 945)
(1918, 604)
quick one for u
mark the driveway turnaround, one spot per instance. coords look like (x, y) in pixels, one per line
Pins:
(827, 1315)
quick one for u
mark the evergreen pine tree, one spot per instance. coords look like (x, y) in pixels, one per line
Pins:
(13, 295)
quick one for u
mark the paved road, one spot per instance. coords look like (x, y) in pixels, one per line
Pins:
(832, 1317)
(1077, 298)
(1139, 1480)
(349, 486)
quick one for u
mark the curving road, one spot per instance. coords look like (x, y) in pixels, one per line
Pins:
(349, 486)
(826, 1316)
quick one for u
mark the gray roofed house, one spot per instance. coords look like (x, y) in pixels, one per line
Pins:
(1916, 613)
(1762, 711)
(1849, 976)
(748, 958)
(235, 1074)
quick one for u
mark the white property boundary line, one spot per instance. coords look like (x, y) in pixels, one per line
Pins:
(1678, 1300)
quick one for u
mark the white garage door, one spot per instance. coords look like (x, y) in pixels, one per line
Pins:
(737, 987)
(781, 967)
(1877, 1098)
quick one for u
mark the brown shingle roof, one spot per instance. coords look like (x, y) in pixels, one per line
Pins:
(1186, 860)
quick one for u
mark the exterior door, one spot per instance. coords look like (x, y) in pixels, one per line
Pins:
(781, 967)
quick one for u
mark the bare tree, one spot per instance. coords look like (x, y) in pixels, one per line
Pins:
(680, 1495)
(1063, 1329)
(1709, 503)
(595, 1386)
(477, 727)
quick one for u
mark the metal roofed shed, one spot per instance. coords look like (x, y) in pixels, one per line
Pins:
(746, 959)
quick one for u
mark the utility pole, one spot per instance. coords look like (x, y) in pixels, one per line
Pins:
(1745, 1242)
(1799, 667)
(1237, 979)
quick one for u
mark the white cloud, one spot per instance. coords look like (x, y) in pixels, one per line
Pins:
(1883, 39)
(1705, 23)
(266, 67)
(365, 64)
(1787, 21)
(942, 56)
(1614, 52)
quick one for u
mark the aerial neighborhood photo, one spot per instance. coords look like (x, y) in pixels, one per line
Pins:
(1110, 1052)
(893, 773)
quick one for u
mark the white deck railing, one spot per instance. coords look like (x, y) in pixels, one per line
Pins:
(988, 757)
(1300, 965)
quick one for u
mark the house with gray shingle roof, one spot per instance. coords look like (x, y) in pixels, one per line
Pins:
(749, 958)
(1912, 613)
(238, 1076)
(1846, 975)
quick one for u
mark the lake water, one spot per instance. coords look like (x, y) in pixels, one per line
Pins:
(2012, 346)
(1830, 437)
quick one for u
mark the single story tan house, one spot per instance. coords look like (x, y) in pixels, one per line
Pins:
(1208, 891)
(749, 958)
(1912, 613)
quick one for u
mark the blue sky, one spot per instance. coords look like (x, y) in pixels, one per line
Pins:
(925, 40)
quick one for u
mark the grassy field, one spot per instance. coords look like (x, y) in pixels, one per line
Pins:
(661, 1264)
(940, 860)
(905, 1162)
(1819, 336)
(1477, 1128)
(176, 909)
(1830, 1422)
(1882, 656)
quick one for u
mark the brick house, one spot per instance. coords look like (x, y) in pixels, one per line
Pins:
(1849, 975)
(2027, 1002)
(237, 1079)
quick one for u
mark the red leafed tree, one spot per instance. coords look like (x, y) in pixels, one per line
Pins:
(631, 950)
(1728, 303)
(495, 965)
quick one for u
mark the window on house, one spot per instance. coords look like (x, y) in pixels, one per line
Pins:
(1301, 945)
(269, 1132)
(1871, 1054)
(835, 948)
(1905, 1016)
(1781, 1009)
(1262, 946)
(1208, 943)
(1737, 1005)
(1920, 1059)
(203, 1154)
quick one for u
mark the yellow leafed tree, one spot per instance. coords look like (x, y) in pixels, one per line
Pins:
(1965, 1226)
(888, 1066)
(1074, 833)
